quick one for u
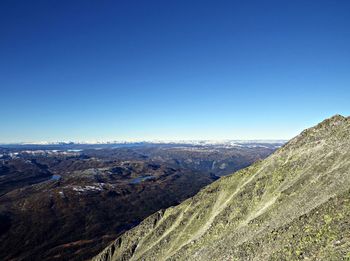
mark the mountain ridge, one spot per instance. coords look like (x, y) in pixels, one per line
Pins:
(251, 214)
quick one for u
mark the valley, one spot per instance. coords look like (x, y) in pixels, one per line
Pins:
(68, 202)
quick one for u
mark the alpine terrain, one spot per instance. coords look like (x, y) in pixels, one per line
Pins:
(69, 201)
(293, 205)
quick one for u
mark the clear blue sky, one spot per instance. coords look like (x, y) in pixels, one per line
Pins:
(115, 70)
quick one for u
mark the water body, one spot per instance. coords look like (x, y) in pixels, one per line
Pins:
(140, 179)
(56, 177)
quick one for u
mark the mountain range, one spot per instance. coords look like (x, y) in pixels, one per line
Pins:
(293, 205)
(63, 202)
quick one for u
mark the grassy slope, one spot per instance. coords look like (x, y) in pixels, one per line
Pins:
(293, 205)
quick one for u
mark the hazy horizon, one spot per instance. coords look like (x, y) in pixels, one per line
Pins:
(143, 141)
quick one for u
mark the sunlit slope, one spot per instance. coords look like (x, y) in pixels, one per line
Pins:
(293, 205)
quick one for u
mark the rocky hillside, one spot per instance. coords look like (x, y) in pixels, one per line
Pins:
(293, 205)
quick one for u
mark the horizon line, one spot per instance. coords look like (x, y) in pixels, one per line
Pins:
(156, 141)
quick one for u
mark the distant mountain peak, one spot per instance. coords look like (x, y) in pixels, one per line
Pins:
(331, 129)
(334, 120)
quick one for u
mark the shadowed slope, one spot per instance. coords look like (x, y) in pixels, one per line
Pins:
(294, 204)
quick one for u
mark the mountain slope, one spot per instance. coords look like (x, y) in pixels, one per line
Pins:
(293, 205)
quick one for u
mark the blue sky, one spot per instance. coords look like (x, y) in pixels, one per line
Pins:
(140, 70)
